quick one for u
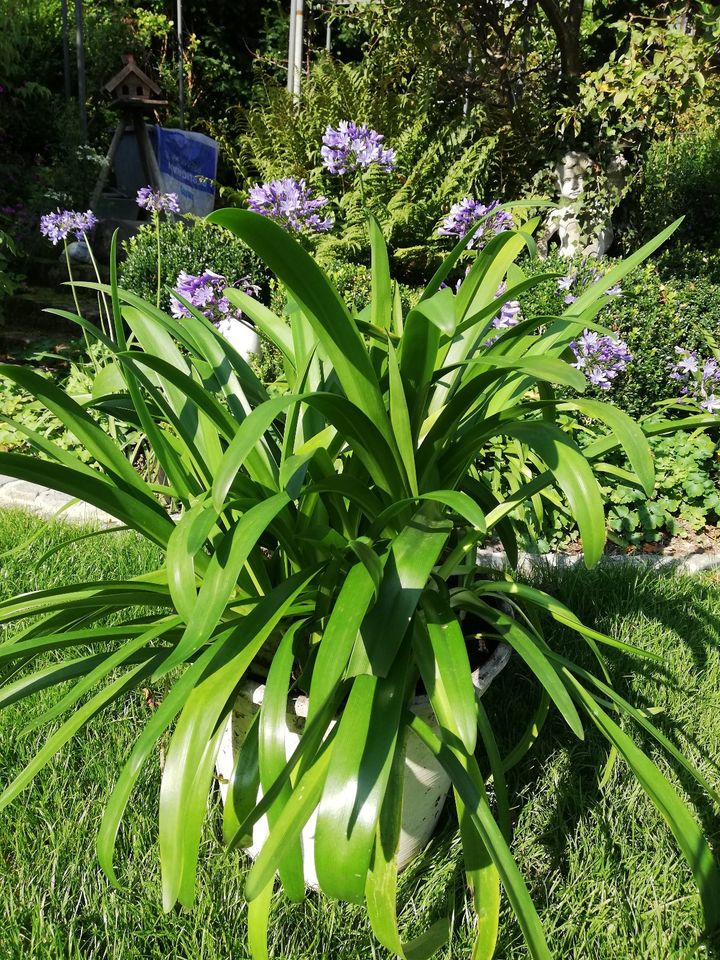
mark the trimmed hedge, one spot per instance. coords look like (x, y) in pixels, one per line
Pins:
(656, 313)
(192, 245)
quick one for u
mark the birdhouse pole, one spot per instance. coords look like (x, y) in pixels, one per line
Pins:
(66, 49)
(80, 55)
(181, 73)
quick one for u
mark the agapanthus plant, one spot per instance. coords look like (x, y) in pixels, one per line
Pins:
(698, 379)
(61, 224)
(58, 227)
(332, 531)
(600, 357)
(155, 201)
(464, 216)
(290, 203)
(351, 146)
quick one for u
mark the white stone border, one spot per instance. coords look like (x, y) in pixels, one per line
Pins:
(22, 495)
(528, 562)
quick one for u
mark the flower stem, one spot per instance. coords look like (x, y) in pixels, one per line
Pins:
(74, 293)
(107, 331)
(156, 217)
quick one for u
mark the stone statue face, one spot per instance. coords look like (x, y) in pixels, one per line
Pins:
(570, 173)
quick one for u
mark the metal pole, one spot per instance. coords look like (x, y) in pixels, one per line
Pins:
(181, 73)
(66, 49)
(80, 54)
(297, 59)
(291, 46)
(328, 37)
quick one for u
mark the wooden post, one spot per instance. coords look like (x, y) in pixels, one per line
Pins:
(80, 55)
(108, 162)
(147, 154)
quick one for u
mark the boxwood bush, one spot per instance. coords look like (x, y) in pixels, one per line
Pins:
(656, 313)
(192, 245)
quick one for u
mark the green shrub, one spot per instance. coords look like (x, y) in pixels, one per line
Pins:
(653, 316)
(682, 177)
(192, 245)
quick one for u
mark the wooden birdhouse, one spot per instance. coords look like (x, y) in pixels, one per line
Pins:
(132, 87)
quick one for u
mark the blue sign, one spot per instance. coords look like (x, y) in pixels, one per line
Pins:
(188, 167)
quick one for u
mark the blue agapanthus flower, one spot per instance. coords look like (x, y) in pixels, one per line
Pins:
(464, 216)
(206, 292)
(601, 358)
(291, 204)
(157, 202)
(61, 224)
(351, 146)
(699, 380)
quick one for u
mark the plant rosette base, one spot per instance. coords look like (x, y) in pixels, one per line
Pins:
(425, 788)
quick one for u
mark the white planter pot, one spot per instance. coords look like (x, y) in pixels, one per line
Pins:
(426, 783)
(240, 335)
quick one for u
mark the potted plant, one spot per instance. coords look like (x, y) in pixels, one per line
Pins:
(326, 542)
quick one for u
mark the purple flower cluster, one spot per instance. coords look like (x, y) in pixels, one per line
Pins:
(59, 225)
(157, 202)
(699, 379)
(464, 216)
(206, 291)
(510, 312)
(580, 278)
(289, 202)
(353, 146)
(600, 358)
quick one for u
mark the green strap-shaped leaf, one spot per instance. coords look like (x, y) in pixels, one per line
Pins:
(381, 885)
(357, 777)
(381, 299)
(268, 323)
(243, 443)
(320, 302)
(190, 758)
(184, 555)
(616, 273)
(441, 653)
(339, 635)
(271, 744)
(108, 662)
(242, 790)
(113, 593)
(574, 477)
(413, 555)
(627, 431)
(76, 722)
(98, 443)
(558, 611)
(292, 819)
(222, 575)
(535, 654)
(400, 419)
(479, 810)
(135, 510)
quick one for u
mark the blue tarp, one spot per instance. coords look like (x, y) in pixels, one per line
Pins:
(188, 167)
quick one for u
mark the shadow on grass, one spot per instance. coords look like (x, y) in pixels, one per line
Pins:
(675, 617)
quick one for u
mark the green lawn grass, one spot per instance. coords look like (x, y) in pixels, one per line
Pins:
(601, 864)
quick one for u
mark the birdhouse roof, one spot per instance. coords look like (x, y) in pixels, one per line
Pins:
(131, 69)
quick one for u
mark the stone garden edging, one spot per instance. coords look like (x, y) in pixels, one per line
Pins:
(528, 562)
(24, 495)
(20, 494)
